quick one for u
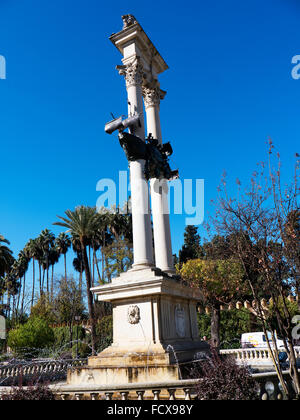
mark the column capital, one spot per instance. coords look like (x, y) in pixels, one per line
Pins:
(133, 72)
(152, 95)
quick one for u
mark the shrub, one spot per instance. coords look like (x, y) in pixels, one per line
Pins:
(35, 334)
(38, 392)
(221, 379)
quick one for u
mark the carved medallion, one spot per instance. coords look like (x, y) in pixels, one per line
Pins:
(133, 314)
(180, 320)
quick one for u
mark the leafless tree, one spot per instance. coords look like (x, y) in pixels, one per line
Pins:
(263, 224)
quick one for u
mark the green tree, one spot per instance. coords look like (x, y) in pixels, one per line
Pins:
(233, 323)
(46, 240)
(35, 334)
(68, 303)
(63, 243)
(82, 223)
(191, 248)
(6, 257)
(9, 284)
(219, 282)
(44, 309)
(34, 253)
(19, 269)
(119, 257)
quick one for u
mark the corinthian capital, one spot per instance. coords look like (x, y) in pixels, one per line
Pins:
(133, 72)
(153, 95)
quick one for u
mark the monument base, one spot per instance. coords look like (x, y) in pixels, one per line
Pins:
(155, 331)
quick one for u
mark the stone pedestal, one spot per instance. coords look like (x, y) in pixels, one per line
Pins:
(154, 331)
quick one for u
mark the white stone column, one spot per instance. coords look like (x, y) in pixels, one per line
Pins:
(141, 217)
(159, 188)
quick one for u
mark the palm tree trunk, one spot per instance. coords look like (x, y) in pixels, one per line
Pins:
(33, 282)
(23, 296)
(43, 282)
(52, 283)
(40, 279)
(17, 300)
(65, 258)
(8, 305)
(97, 267)
(215, 328)
(102, 264)
(89, 295)
(80, 277)
(47, 288)
(93, 275)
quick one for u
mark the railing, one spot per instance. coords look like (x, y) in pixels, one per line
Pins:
(268, 389)
(53, 370)
(255, 356)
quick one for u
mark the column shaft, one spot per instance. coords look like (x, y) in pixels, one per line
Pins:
(159, 194)
(141, 217)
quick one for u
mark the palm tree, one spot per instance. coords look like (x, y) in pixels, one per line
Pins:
(6, 258)
(6, 262)
(34, 252)
(54, 256)
(78, 266)
(63, 243)
(12, 286)
(82, 223)
(20, 268)
(78, 260)
(47, 240)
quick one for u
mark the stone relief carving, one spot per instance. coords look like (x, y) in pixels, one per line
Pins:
(133, 314)
(180, 320)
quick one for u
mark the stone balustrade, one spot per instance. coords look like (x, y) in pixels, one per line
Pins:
(52, 369)
(254, 356)
(268, 389)
(175, 390)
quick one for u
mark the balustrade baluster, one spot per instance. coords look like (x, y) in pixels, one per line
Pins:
(172, 392)
(140, 395)
(124, 395)
(109, 395)
(156, 394)
(187, 393)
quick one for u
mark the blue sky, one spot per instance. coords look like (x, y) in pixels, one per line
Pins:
(229, 88)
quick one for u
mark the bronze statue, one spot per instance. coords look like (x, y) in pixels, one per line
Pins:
(156, 155)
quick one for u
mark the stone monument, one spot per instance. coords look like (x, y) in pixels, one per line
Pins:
(154, 314)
